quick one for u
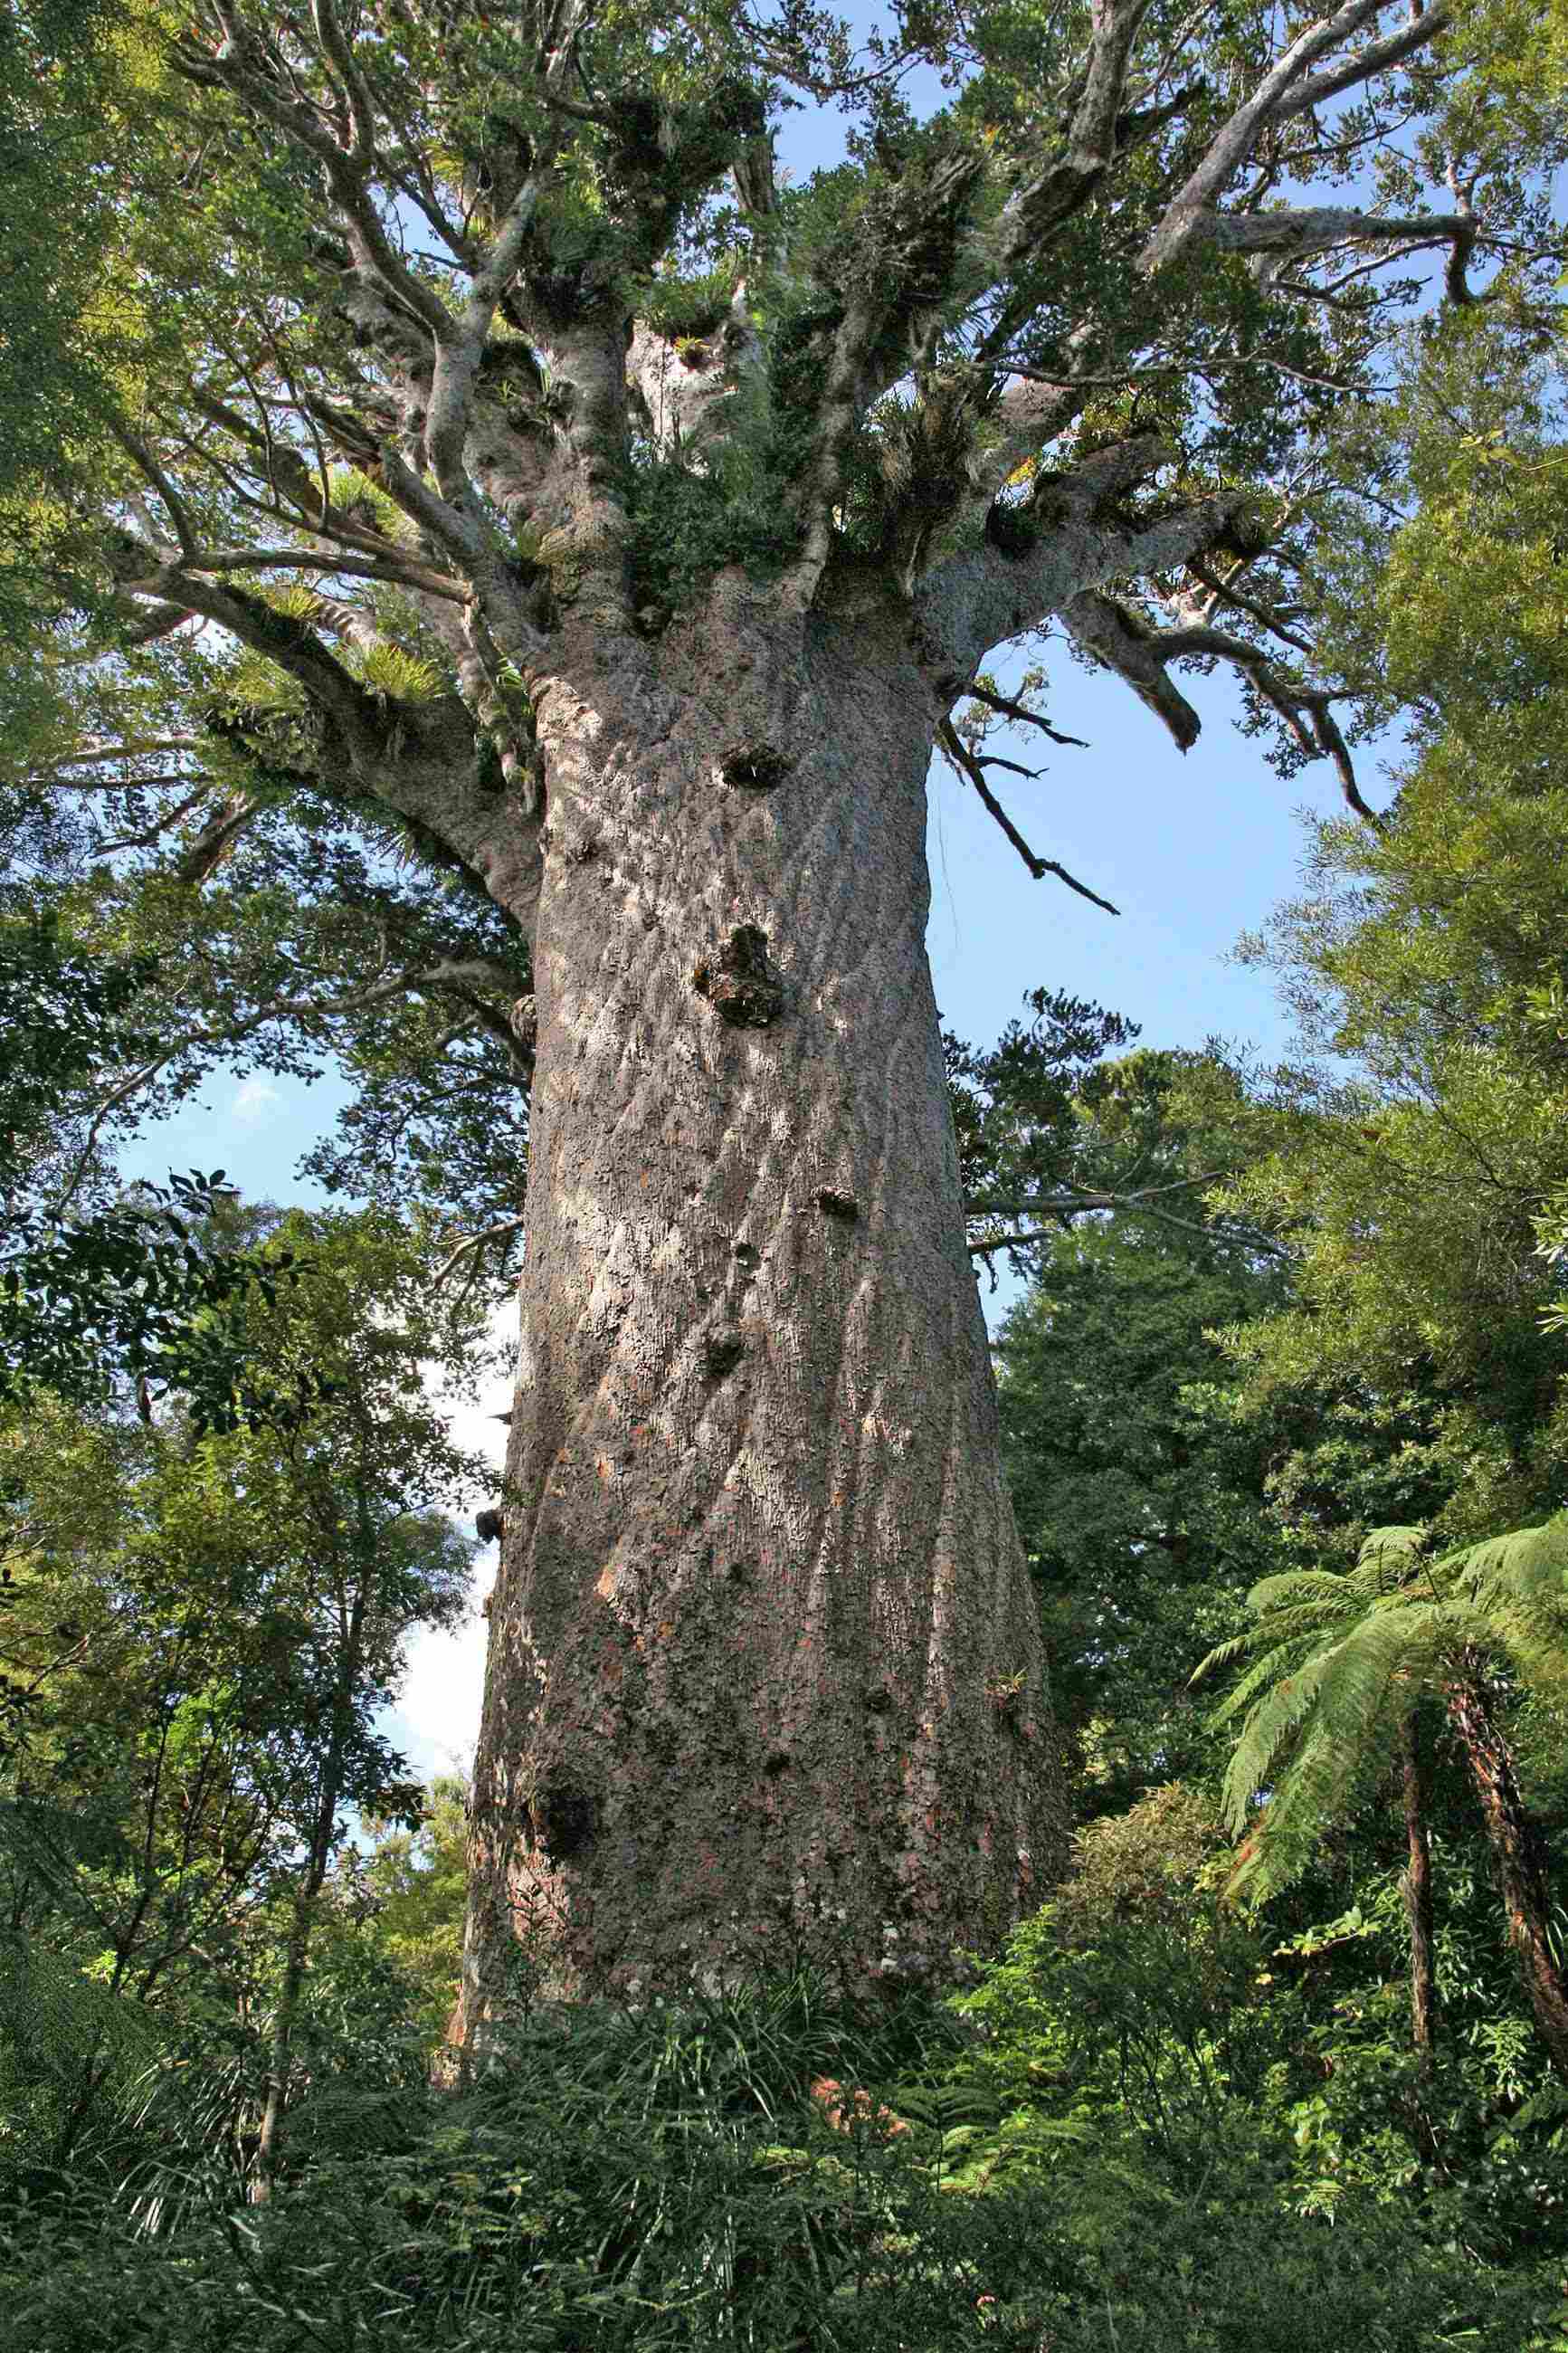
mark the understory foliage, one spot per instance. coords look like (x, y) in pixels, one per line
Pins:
(1159, 2120)
(1099, 2148)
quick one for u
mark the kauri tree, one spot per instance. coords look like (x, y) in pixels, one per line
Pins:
(485, 448)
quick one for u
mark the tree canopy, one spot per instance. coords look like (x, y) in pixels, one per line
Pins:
(341, 433)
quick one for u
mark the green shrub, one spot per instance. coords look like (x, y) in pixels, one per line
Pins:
(666, 2178)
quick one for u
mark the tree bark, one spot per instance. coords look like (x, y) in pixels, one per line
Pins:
(765, 1672)
(1418, 1894)
(1518, 1861)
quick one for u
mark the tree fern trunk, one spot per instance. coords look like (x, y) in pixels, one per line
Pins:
(1517, 1861)
(1418, 1896)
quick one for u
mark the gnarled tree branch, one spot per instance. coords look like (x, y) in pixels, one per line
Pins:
(1073, 537)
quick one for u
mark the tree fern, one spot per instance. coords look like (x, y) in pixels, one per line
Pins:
(1338, 1667)
(70, 2051)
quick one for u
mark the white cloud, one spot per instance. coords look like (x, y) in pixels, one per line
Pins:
(436, 1720)
(253, 1101)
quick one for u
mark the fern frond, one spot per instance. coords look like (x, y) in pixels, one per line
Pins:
(1263, 1672)
(1224, 1654)
(1310, 1621)
(1528, 1568)
(1295, 1585)
(1389, 1646)
(1399, 1541)
(1338, 1661)
(1340, 1714)
(1275, 1721)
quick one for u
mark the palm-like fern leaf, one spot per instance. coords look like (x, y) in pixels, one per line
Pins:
(1337, 1661)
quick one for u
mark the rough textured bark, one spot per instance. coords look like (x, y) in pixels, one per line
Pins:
(1518, 1863)
(1417, 1889)
(765, 1671)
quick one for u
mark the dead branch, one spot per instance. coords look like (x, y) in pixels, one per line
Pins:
(968, 764)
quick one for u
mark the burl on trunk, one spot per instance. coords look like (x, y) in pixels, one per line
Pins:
(765, 1671)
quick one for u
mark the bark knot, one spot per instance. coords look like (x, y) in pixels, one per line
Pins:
(564, 1821)
(842, 1205)
(756, 765)
(740, 982)
(1014, 528)
(1005, 1694)
(523, 1022)
(722, 1351)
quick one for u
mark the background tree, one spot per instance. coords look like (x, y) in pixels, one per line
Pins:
(1142, 1497)
(1044, 1136)
(199, 1635)
(104, 1288)
(416, 1879)
(1418, 1139)
(537, 407)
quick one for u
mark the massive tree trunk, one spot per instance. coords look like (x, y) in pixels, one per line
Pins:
(765, 1672)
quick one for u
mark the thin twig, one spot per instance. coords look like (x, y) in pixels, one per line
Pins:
(1143, 1202)
(1020, 710)
(967, 764)
(477, 1242)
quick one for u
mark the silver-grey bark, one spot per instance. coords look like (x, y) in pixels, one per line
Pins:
(765, 1667)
